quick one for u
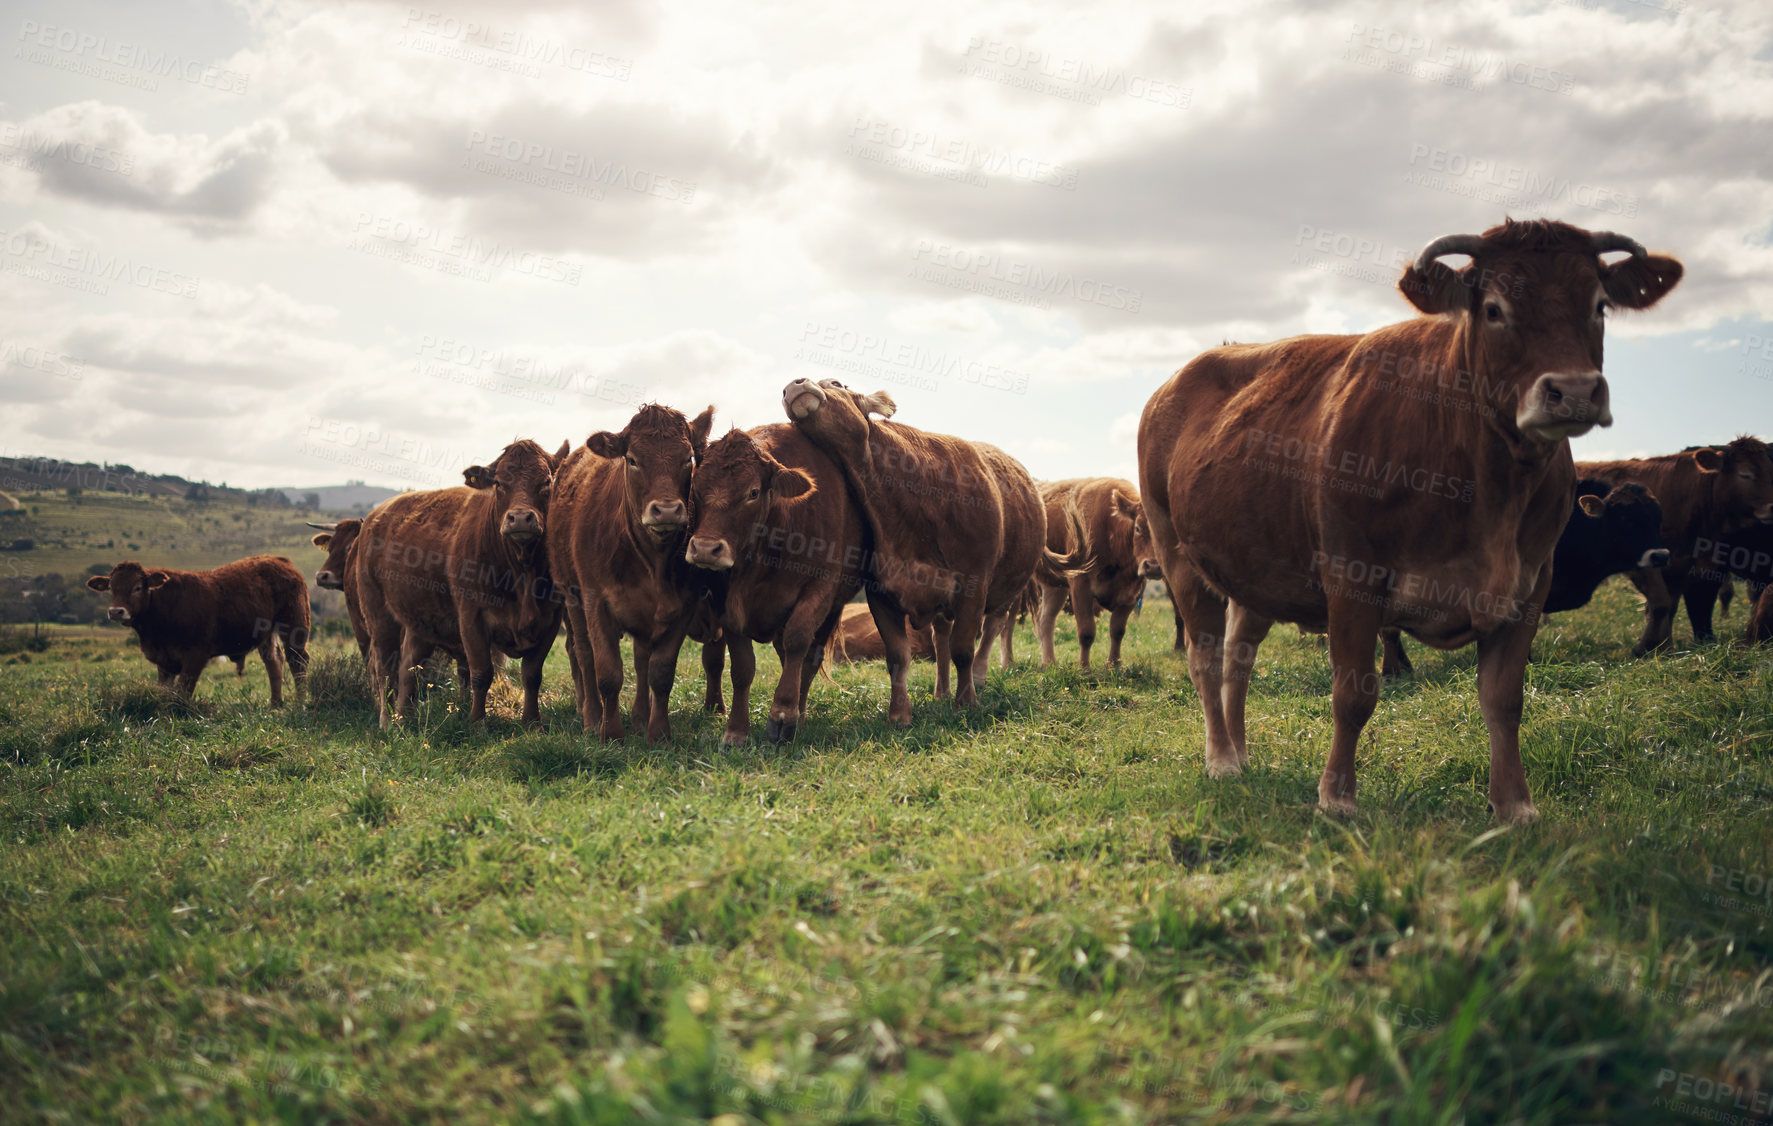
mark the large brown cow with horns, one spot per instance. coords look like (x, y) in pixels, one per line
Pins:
(1416, 476)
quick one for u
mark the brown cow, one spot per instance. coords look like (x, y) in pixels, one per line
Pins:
(1416, 476)
(1708, 494)
(772, 513)
(183, 618)
(465, 570)
(338, 540)
(622, 507)
(1119, 544)
(856, 639)
(958, 530)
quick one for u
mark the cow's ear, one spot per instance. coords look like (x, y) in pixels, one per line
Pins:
(605, 444)
(1436, 290)
(154, 580)
(99, 583)
(321, 539)
(1638, 283)
(879, 403)
(1123, 506)
(1591, 504)
(566, 447)
(480, 477)
(1709, 460)
(790, 484)
(699, 428)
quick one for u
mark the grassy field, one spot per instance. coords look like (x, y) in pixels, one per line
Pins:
(72, 533)
(1039, 912)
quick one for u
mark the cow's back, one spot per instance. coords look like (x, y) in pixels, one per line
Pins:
(227, 611)
(403, 553)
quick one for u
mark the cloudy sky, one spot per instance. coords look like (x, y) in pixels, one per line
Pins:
(290, 244)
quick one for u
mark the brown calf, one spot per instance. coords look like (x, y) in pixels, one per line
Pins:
(337, 573)
(622, 505)
(1416, 476)
(1707, 494)
(465, 570)
(183, 618)
(958, 530)
(856, 639)
(1118, 542)
(773, 514)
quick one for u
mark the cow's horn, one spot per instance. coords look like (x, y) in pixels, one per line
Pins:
(322, 527)
(1449, 244)
(1603, 241)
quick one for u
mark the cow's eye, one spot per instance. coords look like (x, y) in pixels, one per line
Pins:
(1601, 307)
(632, 464)
(753, 494)
(1492, 312)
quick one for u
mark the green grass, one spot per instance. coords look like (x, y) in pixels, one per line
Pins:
(1042, 911)
(73, 533)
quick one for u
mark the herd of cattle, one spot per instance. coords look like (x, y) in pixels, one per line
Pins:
(1415, 479)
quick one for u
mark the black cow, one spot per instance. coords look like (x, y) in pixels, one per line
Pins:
(1612, 530)
(1746, 553)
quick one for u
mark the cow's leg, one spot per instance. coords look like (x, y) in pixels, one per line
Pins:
(942, 631)
(661, 668)
(1394, 661)
(269, 654)
(1760, 622)
(1700, 597)
(1502, 672)
(796, 641)
(532, 687)
(239, 665)
(412, 655)
(1659, 603)
(642, 714)
(744, 663)
(573, 673)
(1046, 615)
(295, 652)
(478, 654)
(995, 624)
(1726, 594)
(1117, 629)
(1354, 693)
(963, 646)
(1007, 640)
(1083, 609)
(1245, 630)
(713, 667)
(605, 641)
(169, 674)
(1181, 642)
(1205, 616)
(584, 665)
(189, 670)
(890, 624)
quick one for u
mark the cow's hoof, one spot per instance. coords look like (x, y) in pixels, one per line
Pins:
(778, 732)
(1336, 806)
(899, 720)
(735, 738)
(1517, 813)
(714, 709)
(1227, 767)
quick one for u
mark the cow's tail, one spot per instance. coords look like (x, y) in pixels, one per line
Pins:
(1054, 569)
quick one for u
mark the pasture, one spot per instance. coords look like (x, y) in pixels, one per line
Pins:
(1042, 911)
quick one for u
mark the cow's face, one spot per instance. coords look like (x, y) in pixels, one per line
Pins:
(336, 543)
(1744, 476)
(1144, 550)
(659, 449)
(835, 416)
(131, 588)
(1534, 301)
(521, 481)
(1630, 526)
(733, 491)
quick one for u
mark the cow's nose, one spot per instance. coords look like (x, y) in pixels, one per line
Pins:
(118, 614)
(1656, 558)
(664, 513)
(1149, 568)
(325, 579)
(1765, 513)
(522, 522)
(715, 554)
(1578, 397)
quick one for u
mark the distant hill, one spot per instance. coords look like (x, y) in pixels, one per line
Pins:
(352, 496)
